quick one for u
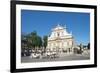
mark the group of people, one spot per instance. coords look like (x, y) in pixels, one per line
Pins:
(48, 53)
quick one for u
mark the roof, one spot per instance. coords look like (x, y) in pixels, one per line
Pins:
(58, 27)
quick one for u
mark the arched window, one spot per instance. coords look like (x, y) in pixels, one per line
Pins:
(58, 34)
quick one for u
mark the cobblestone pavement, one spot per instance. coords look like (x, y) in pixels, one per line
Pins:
(62, 57)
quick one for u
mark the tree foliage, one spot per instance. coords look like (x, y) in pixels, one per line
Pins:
(45, 41)
(88, 45)
(34, 40)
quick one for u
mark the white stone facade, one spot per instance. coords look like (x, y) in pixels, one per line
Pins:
(60, 39)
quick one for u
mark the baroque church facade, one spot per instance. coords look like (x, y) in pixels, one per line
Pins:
(60, 40)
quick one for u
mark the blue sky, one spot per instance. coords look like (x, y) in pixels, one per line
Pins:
(44, 21)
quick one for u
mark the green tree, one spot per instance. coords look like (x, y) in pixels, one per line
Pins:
(81, 47)
(88, 46)
(39, 40)
(34, 39)
(45, 41)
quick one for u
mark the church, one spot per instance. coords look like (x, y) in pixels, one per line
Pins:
(60, 39)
